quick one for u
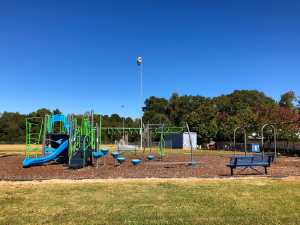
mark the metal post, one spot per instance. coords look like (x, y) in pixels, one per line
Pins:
(161, 138)
(44, 134)
(92, 134)
(234, 146)
(245, 142)
(274, 142)
(69, 118)
(97, 144)
(100, 134)
(123, 123)
(92, 119)
(141, 106)
(262, 138)
(74, 137)
(150, 140)
(72, 117)
(187, 126)
(69, 147)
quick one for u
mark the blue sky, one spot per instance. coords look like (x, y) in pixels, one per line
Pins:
(81, 55)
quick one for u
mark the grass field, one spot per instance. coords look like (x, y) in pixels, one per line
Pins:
(20, 149)
(152, 201)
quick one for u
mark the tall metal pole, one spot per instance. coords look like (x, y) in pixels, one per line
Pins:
(141, 105)
(139, 62)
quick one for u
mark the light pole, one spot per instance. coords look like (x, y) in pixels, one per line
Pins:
(139, 62)
(123, 123)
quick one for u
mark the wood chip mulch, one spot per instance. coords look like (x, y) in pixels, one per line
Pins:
(213, 166)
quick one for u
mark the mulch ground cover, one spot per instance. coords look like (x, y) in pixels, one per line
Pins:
(213, 166)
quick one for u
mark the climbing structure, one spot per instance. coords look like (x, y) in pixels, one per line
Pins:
(63, 140)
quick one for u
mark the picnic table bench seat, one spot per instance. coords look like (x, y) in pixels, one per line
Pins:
(127, 148)
(250, 161)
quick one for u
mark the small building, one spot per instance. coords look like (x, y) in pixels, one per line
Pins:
(182, 140)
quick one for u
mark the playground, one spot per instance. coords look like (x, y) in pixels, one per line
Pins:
(212, 166)
(59, 147)
(112, 184)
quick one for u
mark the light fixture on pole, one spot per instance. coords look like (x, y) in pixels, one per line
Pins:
(123, 124)
(139, 62)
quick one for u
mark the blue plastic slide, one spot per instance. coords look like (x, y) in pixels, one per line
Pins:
(55, 154)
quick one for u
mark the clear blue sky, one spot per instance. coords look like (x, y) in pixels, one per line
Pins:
(81, 55)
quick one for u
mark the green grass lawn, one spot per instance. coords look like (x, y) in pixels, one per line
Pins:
(152, 201)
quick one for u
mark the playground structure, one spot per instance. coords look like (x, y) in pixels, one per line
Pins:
(126, 131)
(168, 130)
(63, 140)
(262, 135)
(74, 143)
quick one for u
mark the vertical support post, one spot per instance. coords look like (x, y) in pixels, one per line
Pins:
(150, 140)
(141, 106)
(69, 118)
(245, 142)
(262, 139)
(75, 138)
(97, 144)
(69, 146)
(161, 146)
(275, 151)
(92, 118)
(100, 133)
(187, 126)
(92, 134)
(44, 134)
(234, 146)
(72, 117)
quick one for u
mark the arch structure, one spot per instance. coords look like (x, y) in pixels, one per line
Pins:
(262, 135)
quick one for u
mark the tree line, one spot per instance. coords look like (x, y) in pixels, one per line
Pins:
(214, 118)
(13, 125)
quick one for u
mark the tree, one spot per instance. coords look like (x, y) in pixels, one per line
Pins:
(173, 109)
(157, 105)
(153, 107)
(56, 111)
(225, 126)
(287, 99)
(239, 100)
(203, 122)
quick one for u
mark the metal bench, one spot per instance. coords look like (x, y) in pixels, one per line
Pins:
(170, 163)
(250, 161)
(127, 148)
